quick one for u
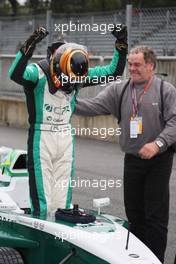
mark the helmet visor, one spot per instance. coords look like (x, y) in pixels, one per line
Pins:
(79, 63)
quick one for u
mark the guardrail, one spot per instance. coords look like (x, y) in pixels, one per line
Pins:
(165, 64)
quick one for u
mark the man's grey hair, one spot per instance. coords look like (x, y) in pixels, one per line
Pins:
(148, 52)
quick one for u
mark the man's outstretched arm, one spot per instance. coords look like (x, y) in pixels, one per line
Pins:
(105, 103)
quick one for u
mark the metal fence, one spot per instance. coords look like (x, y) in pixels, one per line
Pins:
(152, 26)
(155, 27)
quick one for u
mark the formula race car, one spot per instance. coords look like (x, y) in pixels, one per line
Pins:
(72, 236)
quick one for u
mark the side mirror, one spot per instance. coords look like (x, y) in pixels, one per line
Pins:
(101, 202)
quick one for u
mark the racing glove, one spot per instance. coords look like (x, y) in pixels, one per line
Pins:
(121, 37)
(29, 45)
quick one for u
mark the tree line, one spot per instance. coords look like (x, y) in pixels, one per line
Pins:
(14, 7)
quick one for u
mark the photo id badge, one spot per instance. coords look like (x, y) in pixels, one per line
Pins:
(133, 128)
(139, 120)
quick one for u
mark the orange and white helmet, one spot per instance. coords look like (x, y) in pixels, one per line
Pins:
(70, 59)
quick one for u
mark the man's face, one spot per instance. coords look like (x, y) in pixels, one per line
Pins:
(139, 70)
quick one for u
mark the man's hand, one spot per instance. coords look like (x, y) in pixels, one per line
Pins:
(120, 33)
(148, 151)
(29, 45)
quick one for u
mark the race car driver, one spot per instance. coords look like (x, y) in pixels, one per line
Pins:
(50, 97)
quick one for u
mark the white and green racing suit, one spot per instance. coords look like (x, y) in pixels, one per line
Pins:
(50, 141)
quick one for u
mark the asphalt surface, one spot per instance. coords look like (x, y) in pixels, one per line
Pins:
(98, 174)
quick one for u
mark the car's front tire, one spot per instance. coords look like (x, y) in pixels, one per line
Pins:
(10, 256)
